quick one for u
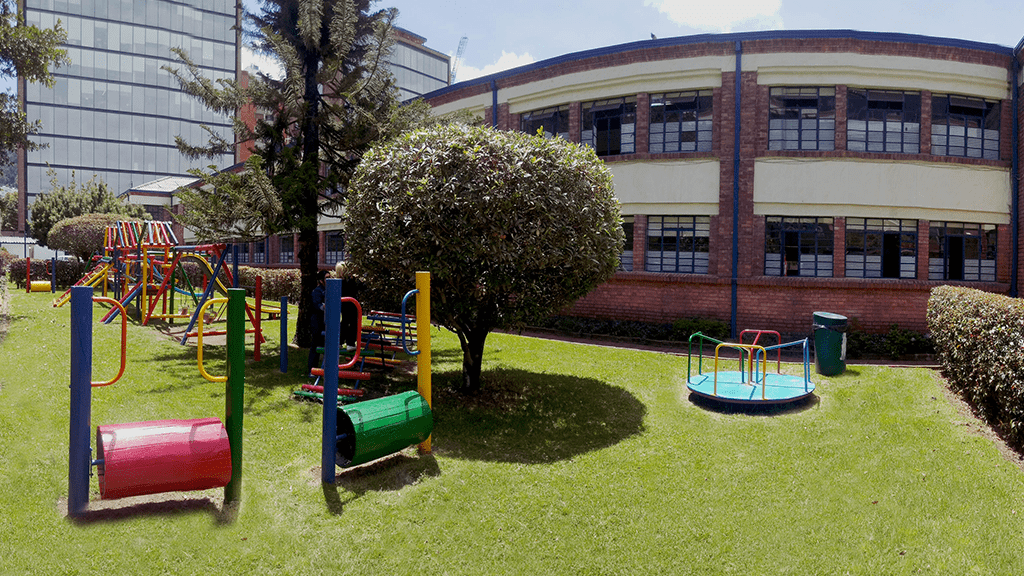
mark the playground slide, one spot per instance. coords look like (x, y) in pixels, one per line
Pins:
(91, 278)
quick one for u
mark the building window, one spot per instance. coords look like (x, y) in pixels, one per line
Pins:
(960, 251)
(883, 121)
(677, 244)
(259, 252)
(243, 252)
(681, 122)
(550, 121)
(798, 246)
(802, 119)
(335, 248)
(877, 248)
(963, 126)
(287, 254)
(609, 126)
(626, 260)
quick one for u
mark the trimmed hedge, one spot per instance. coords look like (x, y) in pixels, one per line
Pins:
(980, 341)
(678, 331)
(68, 272)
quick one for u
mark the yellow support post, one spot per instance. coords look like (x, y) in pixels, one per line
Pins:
(423, 344)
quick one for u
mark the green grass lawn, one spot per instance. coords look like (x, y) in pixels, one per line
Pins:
(575, 459)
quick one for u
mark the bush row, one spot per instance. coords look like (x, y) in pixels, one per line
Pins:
(979, 337)
(896, 344)
(68, 272)
(678, 331)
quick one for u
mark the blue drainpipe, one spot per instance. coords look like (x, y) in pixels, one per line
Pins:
(736, 192)
(1014, 174)
(494, 104)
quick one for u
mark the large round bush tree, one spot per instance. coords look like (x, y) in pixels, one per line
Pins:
(511, 226)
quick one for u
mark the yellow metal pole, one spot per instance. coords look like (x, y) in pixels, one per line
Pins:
(423, 344)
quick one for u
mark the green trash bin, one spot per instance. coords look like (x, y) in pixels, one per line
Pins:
(829, 343)
(375, 428)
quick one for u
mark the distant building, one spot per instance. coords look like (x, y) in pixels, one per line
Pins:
(417, 69)
(113, 112)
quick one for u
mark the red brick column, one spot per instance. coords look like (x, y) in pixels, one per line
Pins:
(926, 124)
(923, 228)
(839, 247)
(840, 136)
(1003, 262)
(639, 242)
(575, 122)
(643, 123)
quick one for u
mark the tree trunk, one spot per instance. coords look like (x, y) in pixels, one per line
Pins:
(309, 245)
(472, 359)
(309, 238)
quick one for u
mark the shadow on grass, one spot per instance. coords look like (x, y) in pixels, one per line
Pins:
(529, 418)
(166, 506)
(387, 474)
(778, 409)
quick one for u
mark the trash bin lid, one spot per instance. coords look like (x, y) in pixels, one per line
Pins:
(829, 319)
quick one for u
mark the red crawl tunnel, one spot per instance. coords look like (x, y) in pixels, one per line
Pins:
(138, 458)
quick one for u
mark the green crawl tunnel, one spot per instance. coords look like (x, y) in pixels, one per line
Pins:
(376, 428)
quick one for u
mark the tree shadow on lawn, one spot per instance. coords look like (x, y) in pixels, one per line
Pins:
(529, 418)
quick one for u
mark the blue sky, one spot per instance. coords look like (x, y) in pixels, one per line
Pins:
(506, 34)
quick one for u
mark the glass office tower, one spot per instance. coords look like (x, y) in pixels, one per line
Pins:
(417, 69)
(113, 111)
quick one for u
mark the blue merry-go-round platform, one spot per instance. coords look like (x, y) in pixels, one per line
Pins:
(753, 383)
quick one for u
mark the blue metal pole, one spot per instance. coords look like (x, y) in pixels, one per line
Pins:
(332, 319)
(284, 334)
(736, 190)
(53, 274)
(234, 266)
(79, 455)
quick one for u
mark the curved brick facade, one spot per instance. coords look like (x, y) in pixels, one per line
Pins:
(864, 169)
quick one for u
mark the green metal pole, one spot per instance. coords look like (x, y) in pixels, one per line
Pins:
(235, 392)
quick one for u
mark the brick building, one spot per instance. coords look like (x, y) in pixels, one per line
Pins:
(764, 176)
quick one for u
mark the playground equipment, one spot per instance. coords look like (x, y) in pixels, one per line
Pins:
(752, 383)
(41, 285)
(139, 458)
(364, 431)
(143, 263)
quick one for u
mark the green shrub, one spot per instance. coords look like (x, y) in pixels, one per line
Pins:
(678, 331)
(979, 337)
(895, 344)
(68, 272)
(5, 260)
(683, 328)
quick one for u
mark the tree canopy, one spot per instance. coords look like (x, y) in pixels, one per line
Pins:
(82, 236)
(8, 210)
(25, 52)
(337, 97)
(511, 226)
(74, 200)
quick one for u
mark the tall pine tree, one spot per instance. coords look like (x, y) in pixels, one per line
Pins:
(336, 98)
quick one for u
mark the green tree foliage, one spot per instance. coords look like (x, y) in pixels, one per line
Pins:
(337, 97)
(512, 227)
(82, 236)
(74, 200)
(8, 210)
(25, 52)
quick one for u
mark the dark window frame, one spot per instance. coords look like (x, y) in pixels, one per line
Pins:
(951, 245)
(286, 256)
(791, 238)
(681, 121)
(554, 121)
(626, 258)
(801, 118)
(609, 126)
(677, 252)
(334, 248)
(883, 121)
(955, 117)
(889, 240)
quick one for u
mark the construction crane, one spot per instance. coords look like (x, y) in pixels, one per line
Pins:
(458, 57)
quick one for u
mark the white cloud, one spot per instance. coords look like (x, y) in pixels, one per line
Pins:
(268, 66)
(507, 61)
(722, 15)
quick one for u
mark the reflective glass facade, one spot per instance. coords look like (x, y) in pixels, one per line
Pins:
(113, 111)
(417, 71)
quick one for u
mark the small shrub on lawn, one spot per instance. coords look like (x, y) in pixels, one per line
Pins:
(979, 337)
(68, 272)
(5, 260)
